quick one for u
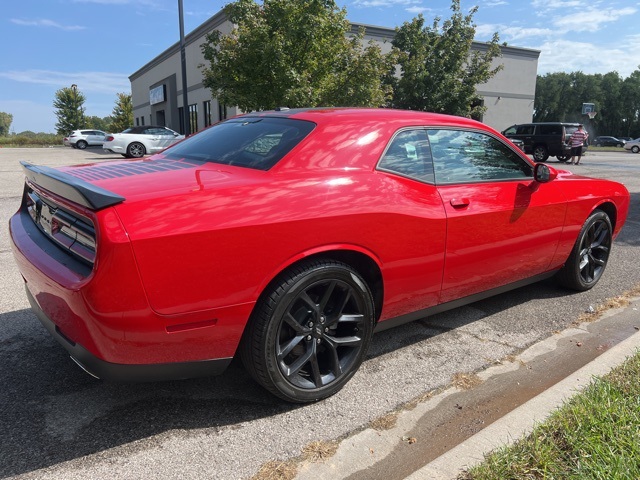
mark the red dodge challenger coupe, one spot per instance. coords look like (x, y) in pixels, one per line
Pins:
(289, 237)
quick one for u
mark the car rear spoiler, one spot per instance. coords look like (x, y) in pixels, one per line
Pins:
(70, 187)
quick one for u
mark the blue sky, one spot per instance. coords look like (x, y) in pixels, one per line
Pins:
(97, 44)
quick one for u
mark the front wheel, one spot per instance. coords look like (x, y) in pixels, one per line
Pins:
(136, 150)
(540, 153)
(563, 158)
(310, 331)
(635, 149)
(590, 254)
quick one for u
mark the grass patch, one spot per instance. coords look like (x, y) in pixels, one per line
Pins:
(595, 435)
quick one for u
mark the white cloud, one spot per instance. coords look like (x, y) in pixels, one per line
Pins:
(43, 22)
(384, 3)
(495, 3)
(591, 19)
(511, 33)
(570, 56)
(416, 10)
(97, 82)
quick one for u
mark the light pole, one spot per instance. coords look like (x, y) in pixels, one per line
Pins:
(186, 116)
(74, 88)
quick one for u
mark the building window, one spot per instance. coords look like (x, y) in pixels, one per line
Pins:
(137, 121)
(222, 111)
(193, 118)
(206, 106)
(142, 120)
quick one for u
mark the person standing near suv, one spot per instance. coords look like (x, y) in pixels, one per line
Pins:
(577, 139)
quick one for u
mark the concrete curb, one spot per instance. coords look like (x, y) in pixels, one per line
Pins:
(521, 421)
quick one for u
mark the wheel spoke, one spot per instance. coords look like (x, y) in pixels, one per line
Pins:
(301, 361)
(293, 323)
(315, 368)
(334, 358)
(352, 341)
(304, 296)
(283, 352)
(327, 296)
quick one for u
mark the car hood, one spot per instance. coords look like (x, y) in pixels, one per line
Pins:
(158, 176)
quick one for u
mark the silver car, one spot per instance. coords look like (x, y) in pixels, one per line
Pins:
(633, 145)
(84, 138)
(136, 142)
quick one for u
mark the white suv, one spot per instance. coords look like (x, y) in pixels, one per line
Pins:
(84, 138)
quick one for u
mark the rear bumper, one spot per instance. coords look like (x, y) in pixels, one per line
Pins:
(128, 373)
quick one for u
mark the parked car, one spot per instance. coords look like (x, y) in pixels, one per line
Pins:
(286, 238)
(604, 141)
(518, 143)
(136, 142)
(633, 145)
(543, 140)
(84, 138)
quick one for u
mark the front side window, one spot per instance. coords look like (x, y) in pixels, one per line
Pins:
(253, 142)
(408, 155)
(525, 129)
(461, 156)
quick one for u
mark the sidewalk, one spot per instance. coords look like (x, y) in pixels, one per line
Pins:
(426, 443)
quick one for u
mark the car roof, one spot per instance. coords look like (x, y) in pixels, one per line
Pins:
(324, 115)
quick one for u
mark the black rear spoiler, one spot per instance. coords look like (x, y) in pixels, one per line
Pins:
(70, 187)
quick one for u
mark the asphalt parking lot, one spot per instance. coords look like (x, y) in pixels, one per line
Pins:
(58, 422)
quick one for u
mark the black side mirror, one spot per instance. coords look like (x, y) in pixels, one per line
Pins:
(543, 173)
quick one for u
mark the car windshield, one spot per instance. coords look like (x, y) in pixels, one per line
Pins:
(253, 142)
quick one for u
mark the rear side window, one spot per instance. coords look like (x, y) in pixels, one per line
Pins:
(409, 155)
(550, 129)
(252, 142)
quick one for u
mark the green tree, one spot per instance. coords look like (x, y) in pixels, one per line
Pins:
(293, 53)
(69, 105)
(122, 114)
(439, 71)
(5, 123)
(98, 123)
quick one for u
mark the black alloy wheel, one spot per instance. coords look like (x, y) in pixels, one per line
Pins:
(590, 254)
(310, 332)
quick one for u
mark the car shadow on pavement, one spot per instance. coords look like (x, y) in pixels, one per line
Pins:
(53, 412)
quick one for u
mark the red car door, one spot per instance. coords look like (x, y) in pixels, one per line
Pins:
(502, 225)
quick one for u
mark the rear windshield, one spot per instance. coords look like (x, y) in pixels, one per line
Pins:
(252, 142)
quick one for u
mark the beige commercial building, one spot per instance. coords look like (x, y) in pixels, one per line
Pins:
(157, 86)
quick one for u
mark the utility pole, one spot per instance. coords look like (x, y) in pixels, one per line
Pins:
(186, 116)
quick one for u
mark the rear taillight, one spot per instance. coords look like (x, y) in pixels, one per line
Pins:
(70, 231)
(109, 138)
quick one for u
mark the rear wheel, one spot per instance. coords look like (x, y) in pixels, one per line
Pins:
(563, 158)
(81, 144)
(540, 153)
(136, 150)
(308, 335)
(635, 149)
(590, 254)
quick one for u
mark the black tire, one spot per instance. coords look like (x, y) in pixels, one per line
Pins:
(619, 145)
(635, 149)
(310, 331)
(81, 144)
(540, 153)
(136, 150)
(590, 254)
(563, 158)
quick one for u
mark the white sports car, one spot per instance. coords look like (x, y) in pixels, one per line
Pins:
(136, 142)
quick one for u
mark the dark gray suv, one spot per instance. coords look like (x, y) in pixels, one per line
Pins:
(544, 139)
